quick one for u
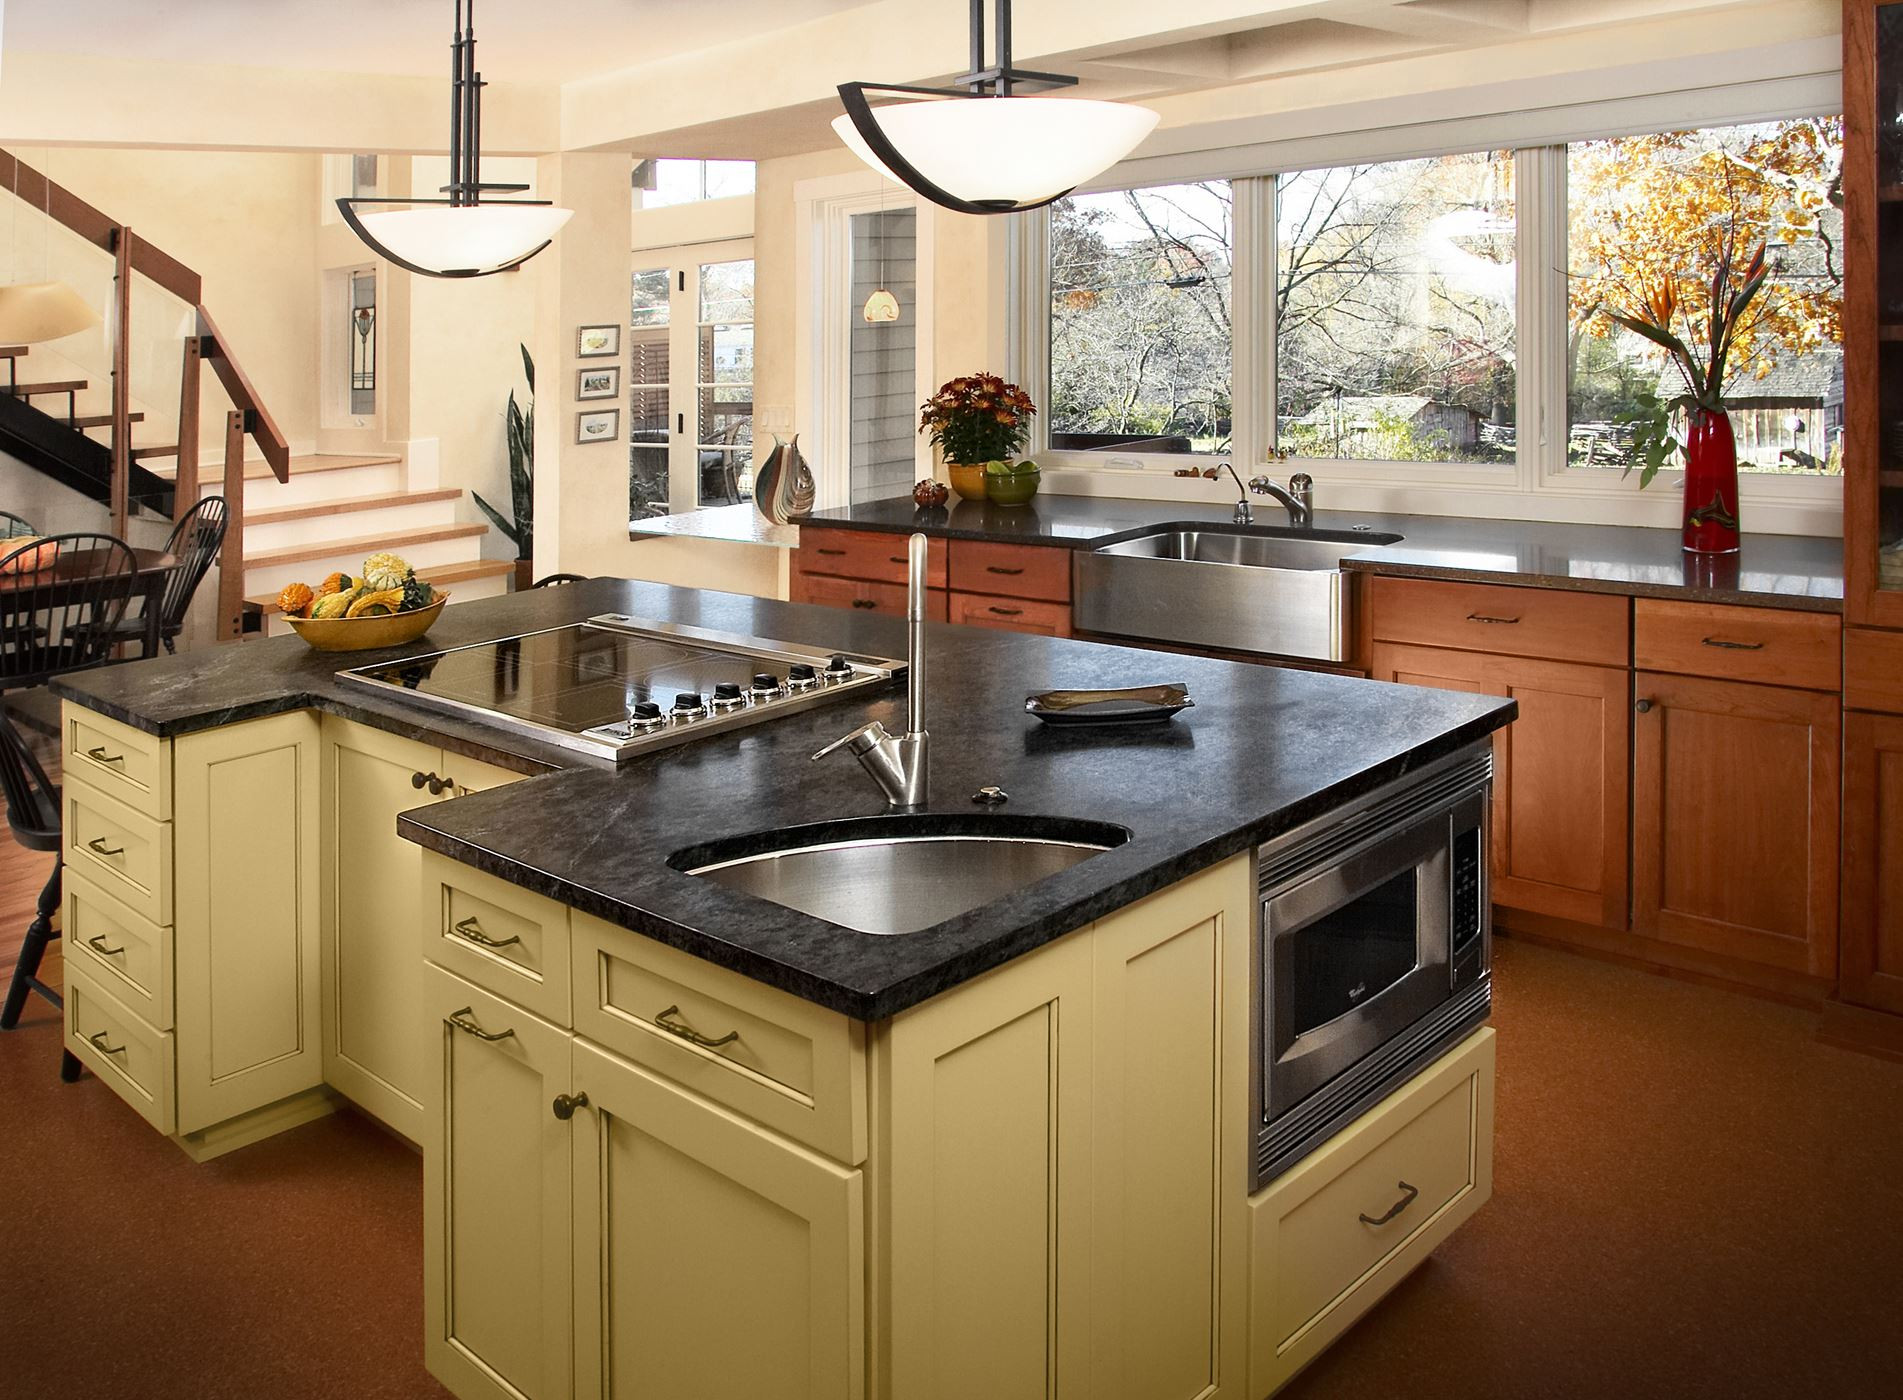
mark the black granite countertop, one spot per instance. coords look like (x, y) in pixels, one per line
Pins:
(1787, 571)
(1262, 751)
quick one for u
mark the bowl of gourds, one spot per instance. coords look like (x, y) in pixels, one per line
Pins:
(384, 606)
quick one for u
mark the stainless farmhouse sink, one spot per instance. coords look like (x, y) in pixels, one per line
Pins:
(897, 874)
(1237, 587)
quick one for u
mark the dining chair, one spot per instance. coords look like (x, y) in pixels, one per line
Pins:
(194, 543)
(33, 816)
(555, 580)
(13, 526)
(62, 600)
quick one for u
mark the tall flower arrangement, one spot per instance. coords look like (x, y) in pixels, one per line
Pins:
(977, 418)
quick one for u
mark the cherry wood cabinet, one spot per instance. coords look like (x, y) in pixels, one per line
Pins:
(1872, 960)
(981, 583)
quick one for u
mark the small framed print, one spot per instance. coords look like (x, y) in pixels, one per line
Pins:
(602, 382)
(601, 425)
(592, 342)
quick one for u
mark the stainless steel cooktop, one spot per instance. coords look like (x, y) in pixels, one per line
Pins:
(615, 686)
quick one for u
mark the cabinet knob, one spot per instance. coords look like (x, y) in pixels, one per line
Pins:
(418, 779)
(1644, 707)
(566, 1104)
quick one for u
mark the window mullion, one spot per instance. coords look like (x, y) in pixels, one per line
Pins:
(1540, 205)
(1252, 321)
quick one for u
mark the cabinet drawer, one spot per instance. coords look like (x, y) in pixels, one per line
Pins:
(1738, 644)
(1011, 614)
(863, 596)
(866, 554)
(126, 763)
(1347, 1223)
(1015, 570)
(130, 1057)
(1508, 621)
(499, 936)
(796, 1067)
(125, 952)
(123, 851)
(1873, 671)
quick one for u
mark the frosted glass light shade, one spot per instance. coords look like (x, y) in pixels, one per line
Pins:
(469, 238)
(1005, 151)
(31, 312)
(881, 306)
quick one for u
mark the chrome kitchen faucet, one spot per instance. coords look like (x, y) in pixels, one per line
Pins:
(900, 763)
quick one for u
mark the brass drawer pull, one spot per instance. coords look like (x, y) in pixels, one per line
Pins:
(460, 1020)
(566, 1104)
(98, 944)
(1407, 1199)
(998, 569)
(99, 847)
(98, 1041)
(97, 753)
(1733, 646)
(688, 1033)
(1007, 612)
(472, 930)
(1501, 621)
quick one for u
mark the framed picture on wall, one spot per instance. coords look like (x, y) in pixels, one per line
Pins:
(601, 425)
(601, 382)
(592, 342)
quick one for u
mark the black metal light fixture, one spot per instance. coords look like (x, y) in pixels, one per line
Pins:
(977, 147)
(461, 234)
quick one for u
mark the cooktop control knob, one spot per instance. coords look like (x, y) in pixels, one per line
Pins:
(727, 696)
(838, 668)
(644, 716)
(765, 687)
(800, 677)
(687, 705)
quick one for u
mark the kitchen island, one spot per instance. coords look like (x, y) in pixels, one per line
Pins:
(1006, 1154)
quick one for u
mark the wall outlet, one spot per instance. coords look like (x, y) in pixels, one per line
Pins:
(773, 418)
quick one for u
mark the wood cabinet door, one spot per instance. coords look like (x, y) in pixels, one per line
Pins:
(722, 1259)
(496, 1206)
(1560, 779)
(247, 976)
(376, 1048)
(1734, 820)
(1873, 861)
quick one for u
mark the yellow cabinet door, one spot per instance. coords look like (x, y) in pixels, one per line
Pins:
(716, 1258)
(247, 975)
(496, 1174)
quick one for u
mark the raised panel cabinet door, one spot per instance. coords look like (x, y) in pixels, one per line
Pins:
(1735, 804)
(1561, 775)
(986, 1096)
(376, 1048)
(1170, 1150)
(496, 1204)
(1873, 862)
(714, 1257)
(247, 975)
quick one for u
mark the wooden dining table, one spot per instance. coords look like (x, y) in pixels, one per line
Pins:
(76, 570)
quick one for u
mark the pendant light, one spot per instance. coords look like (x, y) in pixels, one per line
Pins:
(33, 312)
(976, 148)
(460, 235)
(881, 306)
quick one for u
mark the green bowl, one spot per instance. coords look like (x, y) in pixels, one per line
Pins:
(1013, 490)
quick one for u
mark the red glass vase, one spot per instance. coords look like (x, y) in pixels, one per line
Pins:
(1711, 485)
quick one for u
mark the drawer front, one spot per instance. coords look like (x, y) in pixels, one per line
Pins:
(1011, 614)
(125, 952)
(887, 599)
(1738, 644)
(130, 1057)
(121, 850)
(499, 936)
(1544, 622)
(866, 554)
(126, 763)
(1013, 570)
(796, 1067)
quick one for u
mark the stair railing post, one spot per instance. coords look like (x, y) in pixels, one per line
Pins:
(185, 486)
(121, 379)
(231, 552)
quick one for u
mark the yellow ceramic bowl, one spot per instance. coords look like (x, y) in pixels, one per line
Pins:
(968, 482)
(368, 633)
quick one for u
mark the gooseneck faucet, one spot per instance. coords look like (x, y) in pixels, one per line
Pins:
(1245, 514)
(900, 763)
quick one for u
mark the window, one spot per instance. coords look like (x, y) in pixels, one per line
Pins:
(1395, 310)
(725, 382)
(883, 389)
(363, 342)
(1140, 329)
(648, 394)
(1643, 211)
(659, 183)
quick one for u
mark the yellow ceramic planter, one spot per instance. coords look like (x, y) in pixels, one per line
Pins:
(968, 482)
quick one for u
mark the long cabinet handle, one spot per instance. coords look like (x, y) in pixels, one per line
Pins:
(688, 1033)
(99, 847)
(1408, 1193)
(462, 1022)
(1499, 621)
(1006, 612)
(1732, 646)
(98, 944)
(998, 569)
(98, 1041)
(97, 753)
(472, 930)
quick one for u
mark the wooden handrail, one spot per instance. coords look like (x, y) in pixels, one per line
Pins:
(98, 229)
(257, 419)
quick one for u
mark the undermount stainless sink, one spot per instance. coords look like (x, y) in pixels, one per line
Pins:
(1237, 587)
(897, 875)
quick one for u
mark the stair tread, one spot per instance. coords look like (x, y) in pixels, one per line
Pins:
(445, 575)
(12, 352)
(97, 420)
(345, 505)
(57, 386)
(364, 544)
(315, 462)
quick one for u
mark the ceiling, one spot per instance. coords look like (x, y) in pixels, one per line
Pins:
(520, 40)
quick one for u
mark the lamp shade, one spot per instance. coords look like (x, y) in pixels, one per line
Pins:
(1004, 152)
(881, 306)
(467, 239)
(31, 312)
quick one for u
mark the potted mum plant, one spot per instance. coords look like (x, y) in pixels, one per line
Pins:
(977, 420)
(1711, 454)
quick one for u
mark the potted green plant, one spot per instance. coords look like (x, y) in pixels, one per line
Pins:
(975, 420)
(519, 531)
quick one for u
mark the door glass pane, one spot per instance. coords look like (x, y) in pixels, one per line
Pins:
(884, 385)
(1346, 959)
(1889, 278)
(723, 431)
(363, 342)
(648, 394)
